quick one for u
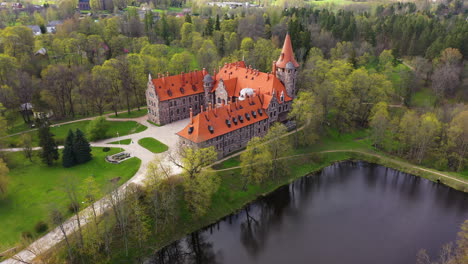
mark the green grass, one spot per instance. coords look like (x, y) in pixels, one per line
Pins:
(35, 188)
(122, 142)
(60, 132)
(152, 145)
(153, 123)
(423, 98)
(170, 9)
(133, 114)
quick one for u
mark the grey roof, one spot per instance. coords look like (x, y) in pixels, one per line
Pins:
(207, 79)
(35, 28)
(55, 23)
(290, 66)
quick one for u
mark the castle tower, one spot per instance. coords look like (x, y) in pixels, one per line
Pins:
(208, 87)
(286, 67)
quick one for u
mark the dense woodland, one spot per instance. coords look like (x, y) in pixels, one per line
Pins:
(360, 70)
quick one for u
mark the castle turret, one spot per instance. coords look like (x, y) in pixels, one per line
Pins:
(286, 67)
(208, 83)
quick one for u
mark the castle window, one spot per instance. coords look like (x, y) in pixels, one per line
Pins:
(219, 100)
(190, 99)
(182, 90)
(234, 120)
(177, 111)
(228, 122)
(211, 129)
(183, 101)
(241, 119)
(196, 98)
(247, 115)
(254, 114)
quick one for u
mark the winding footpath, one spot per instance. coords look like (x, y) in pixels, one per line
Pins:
(165, 134)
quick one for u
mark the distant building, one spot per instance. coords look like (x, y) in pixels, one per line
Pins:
(84, 5)
(35, 29)
(229, 108)
(52, 26)
(232, 5)
(16, 5)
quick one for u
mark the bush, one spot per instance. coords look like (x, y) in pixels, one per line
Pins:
(73, 207)
(97, 128)
(106, 149)
(40, 227)
(26, 235)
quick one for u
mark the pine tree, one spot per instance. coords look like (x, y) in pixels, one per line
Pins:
(209, 28)
(68, 154)
(188, 18)
(49, 151)
(217, 23)
(82, 148)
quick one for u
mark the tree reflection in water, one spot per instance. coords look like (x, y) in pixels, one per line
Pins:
(193, 249)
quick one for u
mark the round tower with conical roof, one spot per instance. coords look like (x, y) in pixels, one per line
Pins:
(286, 67)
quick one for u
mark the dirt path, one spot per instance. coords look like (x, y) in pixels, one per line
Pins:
(82, 119)
(165, 134)
(406, 164)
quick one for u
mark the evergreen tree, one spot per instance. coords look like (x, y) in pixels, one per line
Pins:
(217, 23)
(188, 18)
(68, 154)
(81, 148)
(209, 28)
(47, 142)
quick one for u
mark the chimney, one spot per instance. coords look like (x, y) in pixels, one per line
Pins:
(273, 68)
(191, 116)
(201, 108)
(209, 107)
(167, 74)
(182, 77)
(268, 76)
(204, 72)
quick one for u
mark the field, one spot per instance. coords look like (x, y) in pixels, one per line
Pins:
(122, 128)
(35, 188)
(122, 142)
(153, 145)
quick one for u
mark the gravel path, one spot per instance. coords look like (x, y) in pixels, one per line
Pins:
(165, 134)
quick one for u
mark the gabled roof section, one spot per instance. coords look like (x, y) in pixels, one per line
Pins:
(287, 55)
(176, 86)
(222, 120)
(236, 78)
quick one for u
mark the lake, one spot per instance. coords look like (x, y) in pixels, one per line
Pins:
(350, 212)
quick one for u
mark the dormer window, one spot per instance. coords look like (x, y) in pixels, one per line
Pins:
(211, 129)
(194, 88)
(247, 115)
(282, 97)
(234, 120)
(228, 122)
(190, 130)
(169, 92)
(182, 91)
(241, 119)
(260, 111)
(254, 114)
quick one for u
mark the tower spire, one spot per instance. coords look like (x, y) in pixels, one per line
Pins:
(287, 54)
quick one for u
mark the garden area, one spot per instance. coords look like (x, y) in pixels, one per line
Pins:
(35, 189)
(60, 131)
(153, 145)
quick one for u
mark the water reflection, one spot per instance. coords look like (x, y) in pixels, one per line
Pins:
(348, 213)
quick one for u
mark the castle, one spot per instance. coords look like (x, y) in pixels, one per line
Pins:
(228, 108)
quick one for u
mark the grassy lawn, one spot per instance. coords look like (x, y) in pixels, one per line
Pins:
(152, 145)
(35, 188)
(60, 132)
(423, 98)
(122, 142)
(153, 123)
(133, 114)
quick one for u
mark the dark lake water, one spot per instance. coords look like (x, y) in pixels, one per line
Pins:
(348, 213)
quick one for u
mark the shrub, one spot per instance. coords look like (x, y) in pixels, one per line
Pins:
(40, 227)
(73, 207)
(106, 149)
(97, 128)
(26, 235)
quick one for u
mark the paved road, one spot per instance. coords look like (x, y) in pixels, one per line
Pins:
(165, 134)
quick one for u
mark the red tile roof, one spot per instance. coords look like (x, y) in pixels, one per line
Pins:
(224, 119)
(236, 78)
(287, 54)
(171, 87)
